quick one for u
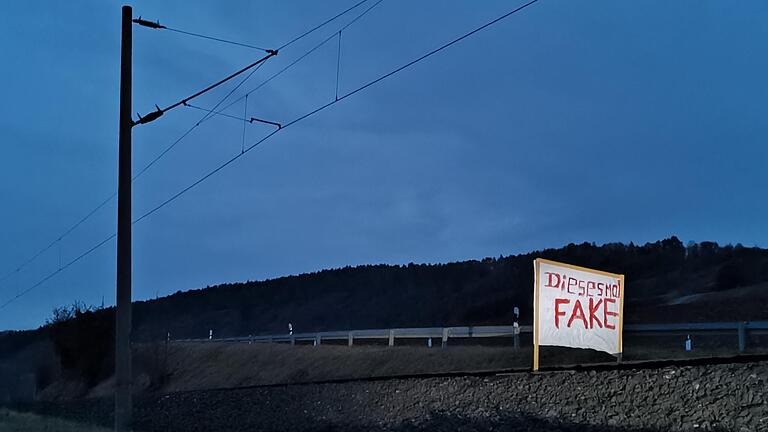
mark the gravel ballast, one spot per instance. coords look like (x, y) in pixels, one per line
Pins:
(724, 397)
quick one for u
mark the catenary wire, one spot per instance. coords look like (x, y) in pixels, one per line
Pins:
(114, 194)
(215, 38)
(338, 65)
(160, 111)
(58, 239)
(323, 107)
(302, 57)
(184, 135)
(231, 42)
(18, 268)
(245, 114)
(236, 157)
(234, 117)
(297, 38)
(59, 270)
(213, 111)
(208, 110)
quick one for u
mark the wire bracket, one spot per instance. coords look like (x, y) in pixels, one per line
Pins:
(150, 24)
(154, 115)
(254, 119)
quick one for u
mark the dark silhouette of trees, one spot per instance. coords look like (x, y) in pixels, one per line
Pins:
(413, 295)
(460, 293)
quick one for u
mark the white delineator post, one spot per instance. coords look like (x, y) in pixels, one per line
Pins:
(516, 326)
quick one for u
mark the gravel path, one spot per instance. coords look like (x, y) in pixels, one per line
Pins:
(729, 397)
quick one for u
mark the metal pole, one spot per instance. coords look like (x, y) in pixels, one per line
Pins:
(123, 403)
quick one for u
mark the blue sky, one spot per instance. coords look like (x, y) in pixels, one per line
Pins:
(570, 121)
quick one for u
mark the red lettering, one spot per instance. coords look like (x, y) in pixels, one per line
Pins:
(558, 312)
(593, 309)
(571, 282)
(590, 286)
(553, 280)
(607, 313)
(578, 313)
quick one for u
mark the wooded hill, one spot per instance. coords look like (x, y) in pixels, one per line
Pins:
(461, 293)
(665, 281)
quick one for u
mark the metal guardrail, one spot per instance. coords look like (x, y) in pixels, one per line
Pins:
(697, 327)
(739, 328)
(442, 333)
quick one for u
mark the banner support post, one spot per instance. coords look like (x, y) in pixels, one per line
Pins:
(587, 306)
(621, 318)
(536, 315)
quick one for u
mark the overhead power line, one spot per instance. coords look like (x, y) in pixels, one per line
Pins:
(114, 194)
(59, 270)
(156, 25)
(270, 52)
(302, 57)
(242, 119)
(58, 240)
(233, 117)
(293, 122)
(150, 24)
(245, 114)
(323, 107)
(338, 65)
(217, 39)
(154, 115)
(195, 126)
(297, 38)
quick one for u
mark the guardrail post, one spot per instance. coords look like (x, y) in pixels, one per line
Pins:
(445, 337)
(742, 336)
(250, 339)
(350, 339)
(293, 340)
(391, 338)
(318, 340)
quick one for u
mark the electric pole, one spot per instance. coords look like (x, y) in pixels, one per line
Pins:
(123, 403)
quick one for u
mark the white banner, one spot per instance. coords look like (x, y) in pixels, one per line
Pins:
(577, 307)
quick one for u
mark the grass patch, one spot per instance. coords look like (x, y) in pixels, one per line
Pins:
(13, 421)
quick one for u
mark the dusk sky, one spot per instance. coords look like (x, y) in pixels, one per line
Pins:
(598, 121)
